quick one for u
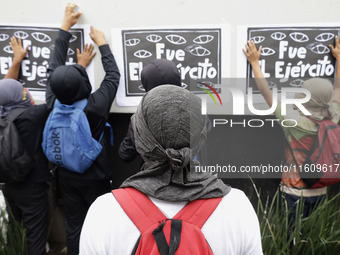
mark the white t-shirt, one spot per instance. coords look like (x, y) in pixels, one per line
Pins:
(233, 228)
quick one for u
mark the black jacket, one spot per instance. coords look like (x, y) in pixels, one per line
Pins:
(127, 149)
(99, 102)
(30, 125)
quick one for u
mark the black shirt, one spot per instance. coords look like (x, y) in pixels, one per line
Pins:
(30, 125)
(98, 107)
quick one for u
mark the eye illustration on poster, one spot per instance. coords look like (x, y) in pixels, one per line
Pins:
(197, 53)
(195, 57)
(291, 55)
(40, 41)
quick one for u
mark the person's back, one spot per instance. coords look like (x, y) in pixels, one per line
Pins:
(167, 143)
(231, 229)
(301, 138)
(27, 200)
(323, 104)
(70, 84)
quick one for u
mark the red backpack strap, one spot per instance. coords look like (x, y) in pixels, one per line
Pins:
(313, 120)
(138, 207)
(327, 121)
(197, 212)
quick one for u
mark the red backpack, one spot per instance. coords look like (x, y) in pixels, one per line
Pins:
(160, 235)
(322, 165)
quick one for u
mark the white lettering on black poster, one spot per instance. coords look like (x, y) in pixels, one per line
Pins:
(196, 53)
(292, 55)
(33, 73)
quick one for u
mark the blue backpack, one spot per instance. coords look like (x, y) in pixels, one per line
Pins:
(67, 138)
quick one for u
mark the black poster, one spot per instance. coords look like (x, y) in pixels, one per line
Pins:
(291, 55)
(196, 52)
(41, 45)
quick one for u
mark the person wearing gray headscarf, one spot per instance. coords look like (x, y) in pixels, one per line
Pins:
(168, 134)
(169, 130)
(13, 95)
(323, 104)
(27, 200)
(319, 105)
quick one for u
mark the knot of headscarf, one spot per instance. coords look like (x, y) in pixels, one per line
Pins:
(178, 159)
(166, 121)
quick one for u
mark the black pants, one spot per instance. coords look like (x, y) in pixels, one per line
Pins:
(77, 196)
(28, 202)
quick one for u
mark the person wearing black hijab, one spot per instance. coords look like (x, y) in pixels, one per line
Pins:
(157, 72)
(69, 84)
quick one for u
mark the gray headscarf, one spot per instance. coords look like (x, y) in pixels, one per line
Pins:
(11, 96)
(321, 93)
(169, 131)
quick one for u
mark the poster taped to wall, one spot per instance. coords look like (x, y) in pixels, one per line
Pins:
(196, 51)
(40, 40)
(290, 54)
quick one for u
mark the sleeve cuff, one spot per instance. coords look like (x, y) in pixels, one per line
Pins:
(105, 50)
(80, 67)
(64, 35)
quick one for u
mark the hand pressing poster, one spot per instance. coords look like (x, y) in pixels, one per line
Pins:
(33, 73)
(197, 53)
(290, 55)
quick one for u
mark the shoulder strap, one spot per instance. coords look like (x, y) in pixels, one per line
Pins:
(291, 152)
(198, 212)
(81, 104)
(327, 121)
(56, 103)
(317, 122)
(138, 207)
(107, 125)
(14, 113)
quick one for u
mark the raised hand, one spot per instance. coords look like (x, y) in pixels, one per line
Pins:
(70, 17)
(18, 50)
(97, 36)
(19, 55)
(253, 55)
(336, 51)
(85, 58)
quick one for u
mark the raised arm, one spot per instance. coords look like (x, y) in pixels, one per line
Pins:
(19, 55)
(61, 44)
(336, 55)
(253, 56)
(103, 97)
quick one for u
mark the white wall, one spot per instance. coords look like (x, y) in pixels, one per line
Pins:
(105, 14)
